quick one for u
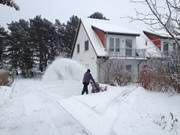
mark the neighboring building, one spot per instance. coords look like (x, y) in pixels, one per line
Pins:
(107, 49)
(163, 42)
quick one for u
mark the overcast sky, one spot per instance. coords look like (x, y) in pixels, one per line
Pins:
(63, 9)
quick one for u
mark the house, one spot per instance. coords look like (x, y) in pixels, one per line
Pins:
(107, 49)
(160, 48)
(163, 42)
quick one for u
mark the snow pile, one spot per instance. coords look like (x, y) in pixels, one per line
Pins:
(30, 109)
(5, 94)
(127, 110)
(64, 69)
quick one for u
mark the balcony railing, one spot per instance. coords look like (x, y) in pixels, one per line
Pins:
(170, 53)
(128, 52)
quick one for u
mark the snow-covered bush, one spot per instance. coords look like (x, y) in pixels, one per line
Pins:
(64, 69)
(115, 72)
(160, 75)
(167, 122)
(122, 78)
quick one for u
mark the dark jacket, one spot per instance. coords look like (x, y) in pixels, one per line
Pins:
(87, 77)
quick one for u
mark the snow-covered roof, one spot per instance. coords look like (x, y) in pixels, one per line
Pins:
(106, 26)
(161, 33)
(110, 27)
(97, 44)
(143, 42)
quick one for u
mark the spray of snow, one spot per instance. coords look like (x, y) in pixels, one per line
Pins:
(64, 69)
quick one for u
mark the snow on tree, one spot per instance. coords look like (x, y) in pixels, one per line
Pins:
(98, 15)
(163, 15)
(9, 3)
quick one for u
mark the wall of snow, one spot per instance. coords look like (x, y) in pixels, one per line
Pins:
(64, 69)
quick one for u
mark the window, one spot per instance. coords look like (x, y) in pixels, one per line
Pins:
(86, 45)
(78, 48)
(114, 45)
(128, 47)
(111, 44)
(165, 48)
(178, 48)
(129, 68)
(174, 46)
(117, 45)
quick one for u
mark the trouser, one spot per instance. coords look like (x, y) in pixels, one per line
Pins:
(85, 88)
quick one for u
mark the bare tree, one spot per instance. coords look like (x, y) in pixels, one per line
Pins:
(9, 3)
(163, 14)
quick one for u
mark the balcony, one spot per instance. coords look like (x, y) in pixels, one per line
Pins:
(172, 53)
(128, 53)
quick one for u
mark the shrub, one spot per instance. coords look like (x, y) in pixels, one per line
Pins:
(160, 76)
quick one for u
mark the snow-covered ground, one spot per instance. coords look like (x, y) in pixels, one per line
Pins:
(127, 110)
(54, 106)
(31, 110)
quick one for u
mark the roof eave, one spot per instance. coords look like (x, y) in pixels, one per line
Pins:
(160, 36)
(117, 33)
(126, 34)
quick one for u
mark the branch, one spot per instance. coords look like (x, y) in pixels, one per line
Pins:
(154, 11)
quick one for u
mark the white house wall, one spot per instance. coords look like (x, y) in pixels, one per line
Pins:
(87, 58)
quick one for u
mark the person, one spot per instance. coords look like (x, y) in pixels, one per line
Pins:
(86, 79)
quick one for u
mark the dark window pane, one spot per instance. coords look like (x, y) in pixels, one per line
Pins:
(86, 45)
(117, 45)
(111, 44)
(78, 48)
(165, 48)
(128, 68)
(129, 47)
(128, 43)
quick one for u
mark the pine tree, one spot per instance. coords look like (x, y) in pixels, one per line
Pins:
(60, 30)
(70, 32)
(31, 45)
(21, 50)
(98, 15)
(3, 43)
(9, 3)
(44, 38)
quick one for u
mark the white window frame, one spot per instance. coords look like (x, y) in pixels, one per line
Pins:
(113, 46)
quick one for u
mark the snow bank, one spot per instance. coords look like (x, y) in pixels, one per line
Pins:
(5, 94)
(28, 109)
(64, 69)
(127, 110)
